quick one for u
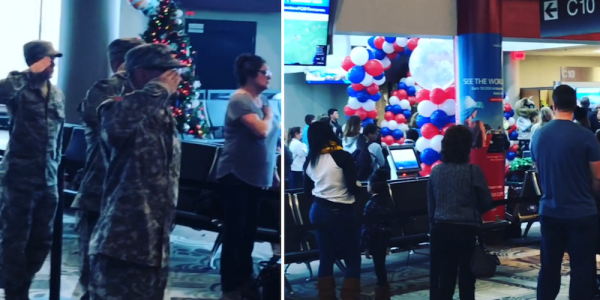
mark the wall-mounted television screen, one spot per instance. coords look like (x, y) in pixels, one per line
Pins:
(329, 76)
(306, 24)
(592, 93)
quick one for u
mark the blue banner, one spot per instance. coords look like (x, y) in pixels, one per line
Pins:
(315, 3)
(479, 82)
(569, 17)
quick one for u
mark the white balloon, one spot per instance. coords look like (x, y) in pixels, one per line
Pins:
(394, 100)
(392, 125)
(395, 144)
(384, 124)
(402, 42)
(511, 121)
(436, 142)
(432, 64)
(386, 62)
(422, 143)
(426, 108)
(369, 105)
(387, 47)
(410, 81)
(405, 104)
(418, 88)
(403, 79)
(368, 80)
(512, 143)
(379, 81)
(359, 56)
(449, 107)
(354, 103)
(507, 162)
(505, 124)
(403, 127)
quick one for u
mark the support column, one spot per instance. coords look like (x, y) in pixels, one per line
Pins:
(512, 85)
(87, 27)
(479, 86)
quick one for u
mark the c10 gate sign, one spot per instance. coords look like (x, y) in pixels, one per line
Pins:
(560, 18)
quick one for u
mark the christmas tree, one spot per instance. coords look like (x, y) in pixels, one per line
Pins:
(166, 26)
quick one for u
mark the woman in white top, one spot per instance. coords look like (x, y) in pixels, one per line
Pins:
(299, 151)
(546, 115)
(352, 134)
(330, 179)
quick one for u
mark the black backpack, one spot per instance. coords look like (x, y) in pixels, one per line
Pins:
(364, 161)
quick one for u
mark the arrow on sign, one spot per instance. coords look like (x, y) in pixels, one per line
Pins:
(550, 10)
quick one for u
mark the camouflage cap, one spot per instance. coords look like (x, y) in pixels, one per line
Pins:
(152, 56)
(119, 47)
(36, 50)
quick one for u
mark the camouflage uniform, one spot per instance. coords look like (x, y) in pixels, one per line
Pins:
(28, 171)
(129, 249)
(87, 201)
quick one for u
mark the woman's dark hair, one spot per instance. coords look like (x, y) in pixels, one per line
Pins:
(581, 115)
(378, 183)
(352, 126)
(456, 145)
(308, 119)
(292, 133)
(370, 128)
(412, 134)
(320, 136)
(247, 66)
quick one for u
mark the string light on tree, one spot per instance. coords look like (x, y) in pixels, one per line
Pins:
(166, 27)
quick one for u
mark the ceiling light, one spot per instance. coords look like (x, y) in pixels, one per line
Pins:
(597, 51)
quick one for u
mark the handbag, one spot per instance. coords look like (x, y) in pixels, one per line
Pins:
(483, 262)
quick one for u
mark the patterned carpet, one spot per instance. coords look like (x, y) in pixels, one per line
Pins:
(190, 277)
(516, 278)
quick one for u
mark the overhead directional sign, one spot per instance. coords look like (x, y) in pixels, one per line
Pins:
(569, 17)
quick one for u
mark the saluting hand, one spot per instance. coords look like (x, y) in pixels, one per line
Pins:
(41, 65)
(171, 80)
(121, 67)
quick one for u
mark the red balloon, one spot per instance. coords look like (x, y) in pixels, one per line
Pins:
(438, 96)
(446, 128)
(429, 131)
(408, 74)
(389, 116)
(373, 89)
(392, 55)
(361, 113)
(401, 141)
(423, 95)
(412, 44)
(412, 100)
(507, 107)
(450, 93)
(435, 164)
(400, 119)
(358, 87)
(372, 114)
(401, 94)
(373, 67)
(506, 170)
(388, 140)
(347, 63)
(379, 42)
(514, 148)
(513, 128)
(424, 174)
(397, 48)
(349, 111)
(426, 168)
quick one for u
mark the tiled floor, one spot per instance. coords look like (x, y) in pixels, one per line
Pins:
(516, 278)
(189, 279)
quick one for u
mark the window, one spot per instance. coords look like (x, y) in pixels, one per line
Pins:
(25, 21)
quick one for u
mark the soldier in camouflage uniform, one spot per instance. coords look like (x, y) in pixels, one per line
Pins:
(28, 171)
(87, 201)
(129, 248)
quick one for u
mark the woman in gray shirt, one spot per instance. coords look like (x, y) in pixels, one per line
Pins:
(246, 167)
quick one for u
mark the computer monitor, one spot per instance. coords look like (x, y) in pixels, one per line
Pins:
(526, 154)
(216, 110)
(405, 159)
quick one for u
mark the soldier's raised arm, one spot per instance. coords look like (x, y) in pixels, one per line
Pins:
(16, 81)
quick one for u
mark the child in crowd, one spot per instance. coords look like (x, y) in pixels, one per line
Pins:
(376, 230)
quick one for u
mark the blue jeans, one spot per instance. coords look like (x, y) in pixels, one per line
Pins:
(578, 237)
(338, 235)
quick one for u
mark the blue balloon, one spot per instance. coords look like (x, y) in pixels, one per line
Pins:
(422, 121)
(411, 91)
(371, 42)
(402, 86)
(397, 109)
(429, 156)
(379, 54)
(351, 91)
(388, 108)
(407, 51)
(507, 115)
(375, 97)
(379, 77)
(452, 119)
(504, 96)
(511, 155)
(397, 134)
(362, 96)
(367, 121)
(390, 39)
(356, 74)
(407, 114)
(385, 131)
(512, 112)
(439, 118)
(513, 135)
(371, 54)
